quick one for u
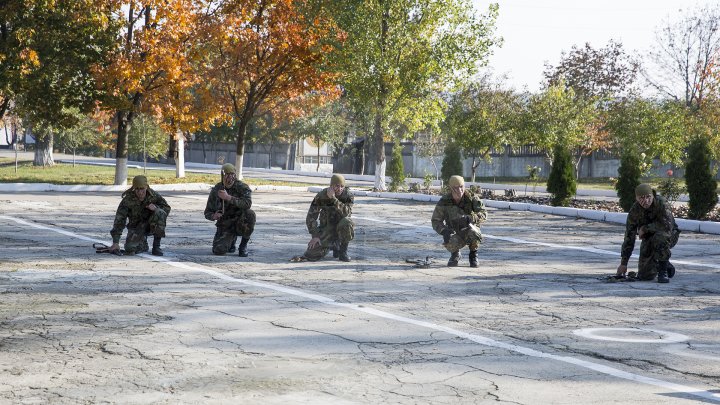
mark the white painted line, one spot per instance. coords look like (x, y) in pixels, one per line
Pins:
(485, 341)
(665, 337)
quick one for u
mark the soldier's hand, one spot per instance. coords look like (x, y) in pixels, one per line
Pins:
(151, 207)
(330, 192)
(314, 242)
(223, 195)
(642, 232)
(621, 270)
(446, 234)
(215, 216)
(115, 247)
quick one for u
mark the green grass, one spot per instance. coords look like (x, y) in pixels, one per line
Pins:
(63, 173)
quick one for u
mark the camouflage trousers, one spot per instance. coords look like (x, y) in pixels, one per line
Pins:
(654, 249)
(136, 241)
(331, 236)
(228, 229)
(469, 236)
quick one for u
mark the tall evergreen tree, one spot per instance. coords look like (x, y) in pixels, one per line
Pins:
(701, 184)
(628, 178)
(452, 163)
(561, 183)
(396, 169)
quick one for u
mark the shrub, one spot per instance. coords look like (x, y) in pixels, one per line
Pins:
(628, 178)
(561, 183)
(396, 169)
(670, 189)
(452, 163)
(701, 185)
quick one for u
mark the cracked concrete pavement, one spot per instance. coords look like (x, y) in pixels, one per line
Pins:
(78, 327)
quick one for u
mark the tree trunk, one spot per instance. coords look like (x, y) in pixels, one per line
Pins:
(287, 156)
(379, 146)
(473, 166)
(240, 147)
(44, 150)
(317, 142)
(121, 150)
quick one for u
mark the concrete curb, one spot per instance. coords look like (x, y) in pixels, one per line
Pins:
(79, 188)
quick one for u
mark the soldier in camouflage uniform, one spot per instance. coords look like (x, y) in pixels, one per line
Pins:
(457, 217)
(229, 204)
(335, 230)
(145, 212)
(651, 219)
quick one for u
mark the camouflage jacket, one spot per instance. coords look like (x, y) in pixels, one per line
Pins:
(134, 212)
(232, 209)
(657, 218)
(329, 210)
(447, 212)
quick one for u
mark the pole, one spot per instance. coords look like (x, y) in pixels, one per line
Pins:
(144, 152)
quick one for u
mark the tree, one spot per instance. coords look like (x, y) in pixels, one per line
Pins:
(480, 119)
(146, 138)
(556, 117)
(561, 182)
(48, 50)
(83, 135)
(396, 169)
(401, 55)
(595, 73)
(430, 144)
(644, 126)
(151, 67)
(452, 164)
(629, 173)
(265, 54)
(700, 179)
(684, 51)
(327, 123)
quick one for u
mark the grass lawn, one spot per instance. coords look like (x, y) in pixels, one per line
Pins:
(63, 173)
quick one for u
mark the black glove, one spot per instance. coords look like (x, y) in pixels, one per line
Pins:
(463, 221)
(446, 233)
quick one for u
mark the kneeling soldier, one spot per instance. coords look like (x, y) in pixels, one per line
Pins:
(229, 204)
(457, 217)
(335, 229)
(650, 219)
(145, 212)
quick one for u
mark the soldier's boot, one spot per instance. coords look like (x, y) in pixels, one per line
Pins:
(232, 245)
(671, 270)
(242, 250)
(454, 259)
(156, 251)
(342, 254)
(662, 276)
(473, 258)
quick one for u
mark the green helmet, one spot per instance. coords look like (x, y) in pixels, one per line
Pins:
(337, 179)
(456, 181)
(139, 182)
(643, 189)
(228, 168)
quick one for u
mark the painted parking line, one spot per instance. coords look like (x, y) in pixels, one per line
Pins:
(482, 340)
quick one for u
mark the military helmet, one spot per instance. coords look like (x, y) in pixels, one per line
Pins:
(456, 181)
(228, 168)
(643, 189)
(337, 179)
(139, 182)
